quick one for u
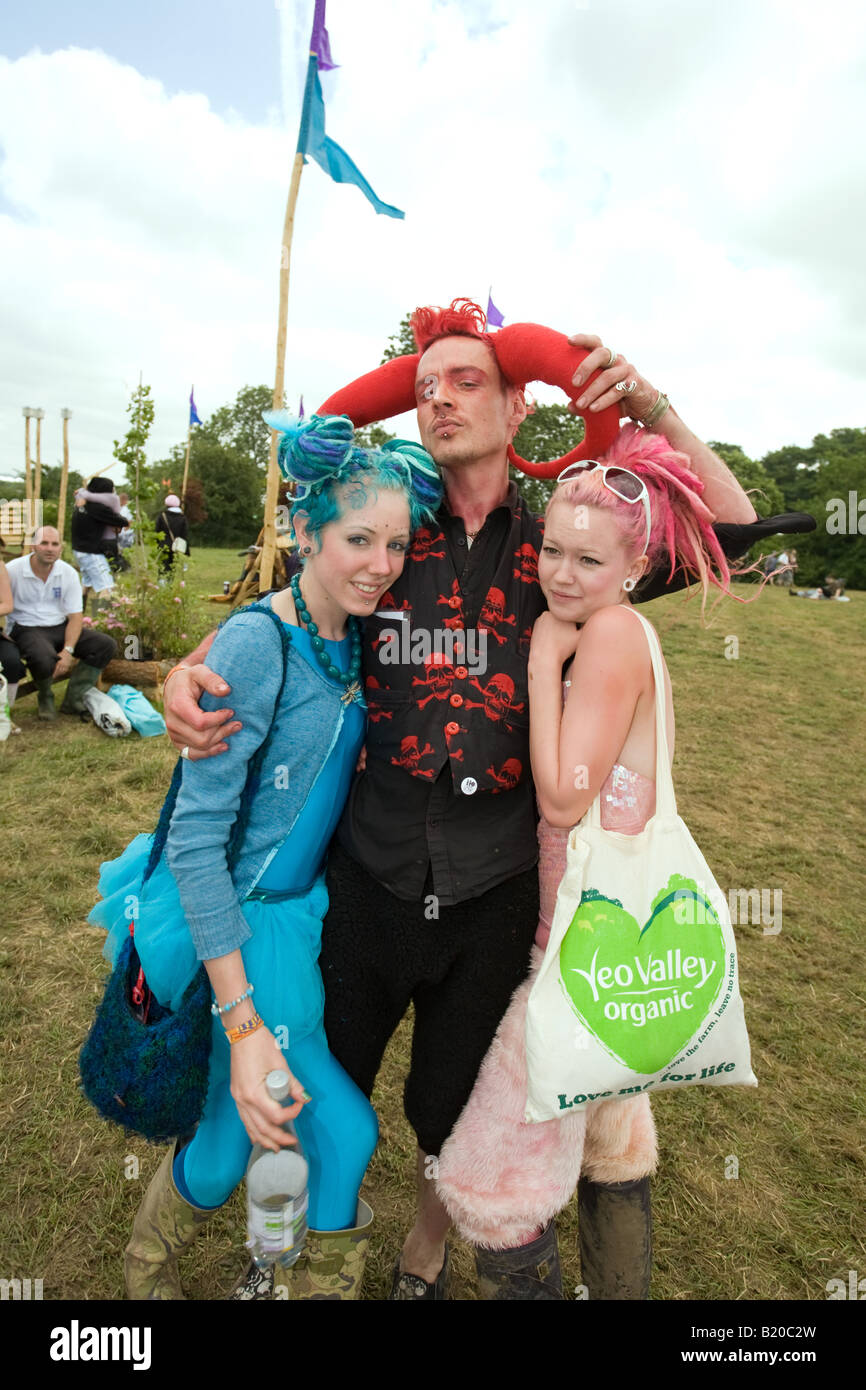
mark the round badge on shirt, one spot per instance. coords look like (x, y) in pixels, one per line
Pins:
(469, 785)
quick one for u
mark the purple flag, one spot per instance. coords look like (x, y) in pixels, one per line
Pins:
(494, 318)
(193, 413)
(320, 44)
(301, 409)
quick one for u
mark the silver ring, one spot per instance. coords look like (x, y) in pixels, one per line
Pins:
(613, 356)
(626, 387)
(184, 752)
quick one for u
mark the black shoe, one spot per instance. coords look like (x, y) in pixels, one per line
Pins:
(412, 1287)
(256, 1284)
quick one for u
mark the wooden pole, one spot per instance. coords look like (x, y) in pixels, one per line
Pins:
(138, 536)
(269, 545)
(28, 479)
(37, 485)
(64, 474)
(186, 463)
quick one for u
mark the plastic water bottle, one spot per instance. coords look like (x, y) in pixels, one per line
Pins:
(277, 1193)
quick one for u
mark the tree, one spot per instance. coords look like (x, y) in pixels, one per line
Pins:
(764, 492)
(131, 452)
(372, 436)
(548, 432)
(837, 500)
(240, 427)
(792, 468)
(401, 343)
(229, 492)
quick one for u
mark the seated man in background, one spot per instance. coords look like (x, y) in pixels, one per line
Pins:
(46, 623)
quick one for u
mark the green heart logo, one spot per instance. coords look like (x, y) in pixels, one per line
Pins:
(644, 992)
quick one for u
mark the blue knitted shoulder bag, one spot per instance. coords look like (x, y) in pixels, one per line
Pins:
(143, 1066)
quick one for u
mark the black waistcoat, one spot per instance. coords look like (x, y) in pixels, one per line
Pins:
(439, 693)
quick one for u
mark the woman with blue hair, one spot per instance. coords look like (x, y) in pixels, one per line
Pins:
(240, 886)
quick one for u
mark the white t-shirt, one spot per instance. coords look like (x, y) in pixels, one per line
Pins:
(43, 603)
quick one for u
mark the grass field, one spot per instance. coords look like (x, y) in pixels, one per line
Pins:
(769, 773)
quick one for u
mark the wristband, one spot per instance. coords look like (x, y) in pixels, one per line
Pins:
(179, 667)
(656, 411)
(244, 1030)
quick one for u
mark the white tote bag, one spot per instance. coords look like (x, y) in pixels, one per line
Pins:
(106, 713)
(638, 989)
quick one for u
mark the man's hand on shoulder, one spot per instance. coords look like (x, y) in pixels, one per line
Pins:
(204, 733)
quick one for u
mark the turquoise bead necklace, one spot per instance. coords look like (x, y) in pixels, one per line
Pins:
(350, 679)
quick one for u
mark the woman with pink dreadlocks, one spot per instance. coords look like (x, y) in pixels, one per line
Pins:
(592, 712)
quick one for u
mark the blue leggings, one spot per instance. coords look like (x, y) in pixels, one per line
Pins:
(338, 1128)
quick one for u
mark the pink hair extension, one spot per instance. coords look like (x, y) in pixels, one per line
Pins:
(681, 522)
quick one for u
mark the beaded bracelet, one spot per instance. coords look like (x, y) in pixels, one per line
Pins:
(216, 1008)
(250, 1025)
(657, 410)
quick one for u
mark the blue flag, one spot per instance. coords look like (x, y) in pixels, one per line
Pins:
(193, 413)
(313, 141)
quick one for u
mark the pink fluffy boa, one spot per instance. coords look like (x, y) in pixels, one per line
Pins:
(502, 1179)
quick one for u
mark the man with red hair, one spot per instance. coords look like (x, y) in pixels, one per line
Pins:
(432, 874)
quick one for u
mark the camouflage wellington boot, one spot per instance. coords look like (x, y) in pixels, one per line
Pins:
(164, 1226)
(331, 1265)
(615, 1232)
(526, 1273)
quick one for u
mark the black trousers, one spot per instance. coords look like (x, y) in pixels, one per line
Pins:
(39, 646)
(10, 660)
(380, 953)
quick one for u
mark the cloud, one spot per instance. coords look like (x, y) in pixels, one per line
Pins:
(685, 180)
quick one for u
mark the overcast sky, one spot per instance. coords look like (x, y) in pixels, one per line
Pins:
(684, 177)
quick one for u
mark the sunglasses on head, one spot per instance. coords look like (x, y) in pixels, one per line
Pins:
(620, 481)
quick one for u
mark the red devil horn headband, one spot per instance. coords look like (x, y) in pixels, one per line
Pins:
(525, 352)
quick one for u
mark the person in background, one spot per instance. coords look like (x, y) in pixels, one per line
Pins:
(47, 625)
(172, 533)
(10, 657)
(126, 537)
(96, 520)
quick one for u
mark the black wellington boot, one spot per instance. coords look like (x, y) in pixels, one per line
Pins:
(81, 679)
(528, 1273)
(615, 1231)
(45, 698)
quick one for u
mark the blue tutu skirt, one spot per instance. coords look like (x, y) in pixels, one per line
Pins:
(281, 958)
(338, 1127)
